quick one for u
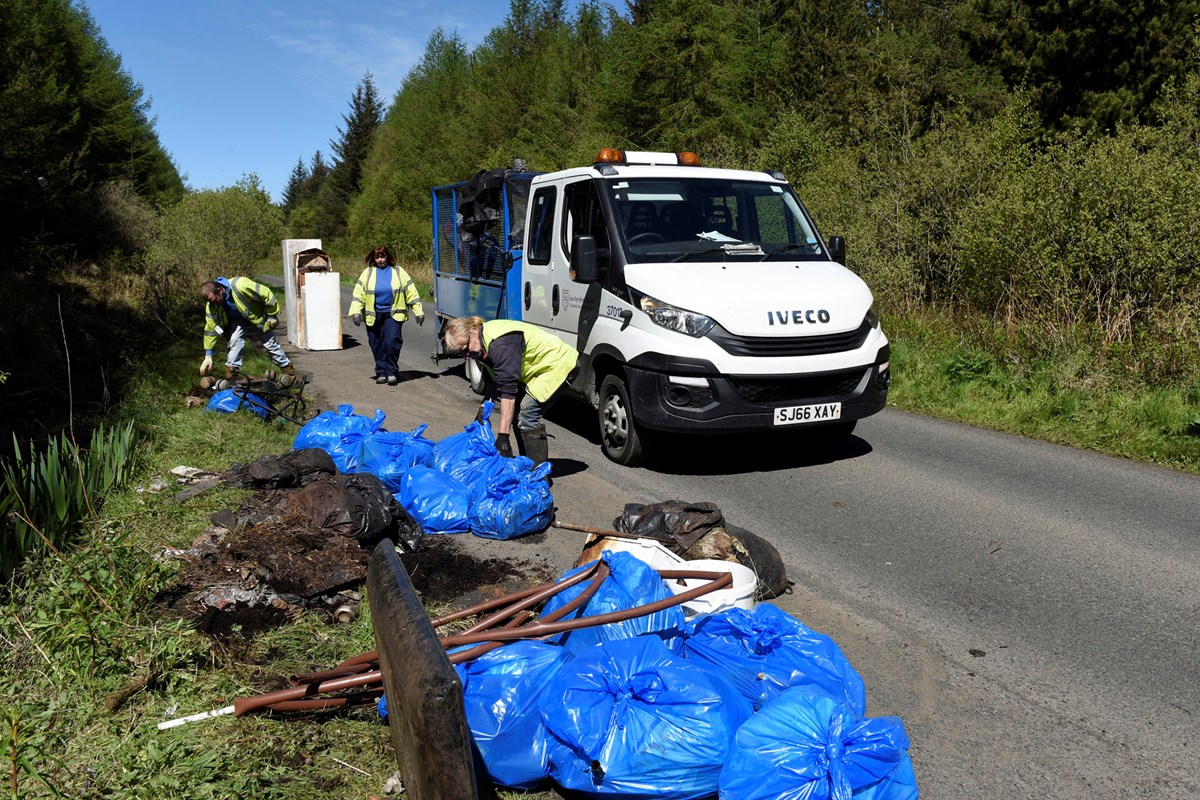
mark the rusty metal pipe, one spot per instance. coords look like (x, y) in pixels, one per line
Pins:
(245, 704)
(717, 580)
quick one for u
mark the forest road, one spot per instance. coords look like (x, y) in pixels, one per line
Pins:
(1030, 611)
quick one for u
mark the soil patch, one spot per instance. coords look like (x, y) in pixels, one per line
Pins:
(442, 570)
(263, 565)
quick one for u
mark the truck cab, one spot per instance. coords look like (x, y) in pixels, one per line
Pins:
(700, 300)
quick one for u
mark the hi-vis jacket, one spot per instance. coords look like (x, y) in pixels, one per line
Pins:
(546, 360)
(253, 300)
(404, 295)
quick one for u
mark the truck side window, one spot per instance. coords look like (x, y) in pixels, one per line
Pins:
(541, 222)
(584, 216)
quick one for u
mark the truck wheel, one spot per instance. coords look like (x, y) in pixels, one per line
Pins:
(474, 375)
(620, 438)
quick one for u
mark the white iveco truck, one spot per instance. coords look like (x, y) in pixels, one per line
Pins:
(700, 300)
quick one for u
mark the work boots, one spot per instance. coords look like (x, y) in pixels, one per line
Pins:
(287, 375)
(534, 445)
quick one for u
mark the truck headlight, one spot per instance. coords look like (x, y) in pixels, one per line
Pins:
(673, 318)
(872, 318)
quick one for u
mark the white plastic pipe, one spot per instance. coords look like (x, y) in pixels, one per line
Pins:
(175, 723)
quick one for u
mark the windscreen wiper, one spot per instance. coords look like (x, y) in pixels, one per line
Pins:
(729, 248)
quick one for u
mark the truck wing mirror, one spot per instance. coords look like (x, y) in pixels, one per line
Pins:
(585, 260)
(837, 249)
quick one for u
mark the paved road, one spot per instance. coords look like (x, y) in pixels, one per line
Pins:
(1030, 611)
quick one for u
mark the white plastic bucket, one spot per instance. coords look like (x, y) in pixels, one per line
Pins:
(739, 595)
(649, 552)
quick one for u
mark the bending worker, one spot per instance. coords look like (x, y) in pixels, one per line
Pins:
(526, 370)
(238, 306)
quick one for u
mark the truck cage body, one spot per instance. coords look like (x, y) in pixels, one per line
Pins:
(477, 238)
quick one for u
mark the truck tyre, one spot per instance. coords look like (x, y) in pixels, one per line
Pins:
(474, 375)
(620, 438)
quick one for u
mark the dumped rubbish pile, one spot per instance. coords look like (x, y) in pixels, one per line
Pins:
(747, 703)
(301, 542)
(649, 670)
(455, 485)
(614, 681)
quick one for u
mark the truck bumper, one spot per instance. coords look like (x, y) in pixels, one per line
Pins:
(699, 400)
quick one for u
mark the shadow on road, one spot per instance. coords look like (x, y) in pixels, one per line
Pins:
(721, 454)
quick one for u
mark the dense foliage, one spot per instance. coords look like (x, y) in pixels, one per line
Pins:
(73, 122)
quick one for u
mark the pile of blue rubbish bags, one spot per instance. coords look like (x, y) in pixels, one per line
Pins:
(738, 704)
(455, 485)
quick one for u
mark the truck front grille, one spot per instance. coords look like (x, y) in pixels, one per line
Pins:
(783, 346)
(796, 389)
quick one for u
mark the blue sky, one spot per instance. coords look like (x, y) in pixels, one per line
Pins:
(240, 86)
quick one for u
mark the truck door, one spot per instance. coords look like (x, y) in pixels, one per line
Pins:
(537, 276)
(559, 213)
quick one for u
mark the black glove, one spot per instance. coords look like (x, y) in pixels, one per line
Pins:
(420, 319)
(356, 319)
(503, 445)
(479, 415)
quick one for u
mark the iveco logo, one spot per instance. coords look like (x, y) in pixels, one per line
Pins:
(797, 316)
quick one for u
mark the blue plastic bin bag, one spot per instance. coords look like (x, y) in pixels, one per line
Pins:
(765, 651)
(630, 719)
(500, 693)
(327, 428)
(474, 442)
(387, 455)
(440, 502)
(512, 505)
(631, 583)
(381, 707)
(805, 745)
(226, 402)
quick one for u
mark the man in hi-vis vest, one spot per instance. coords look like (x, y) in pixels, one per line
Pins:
(237, 307)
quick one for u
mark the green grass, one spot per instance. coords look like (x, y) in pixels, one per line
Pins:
(1078, 396)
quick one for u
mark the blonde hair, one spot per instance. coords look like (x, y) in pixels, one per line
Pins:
(457, 333)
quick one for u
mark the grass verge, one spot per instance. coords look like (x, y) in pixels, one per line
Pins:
(1081, 396)
(93, 661)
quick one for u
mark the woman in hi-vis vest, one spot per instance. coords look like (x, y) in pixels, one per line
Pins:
(383, 296)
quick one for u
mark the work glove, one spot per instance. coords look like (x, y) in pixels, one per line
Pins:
(206, 365)
(356, 319)
(503, 446)
(420, 319)
(271, 323)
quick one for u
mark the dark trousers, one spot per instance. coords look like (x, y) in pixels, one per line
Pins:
(385, 340)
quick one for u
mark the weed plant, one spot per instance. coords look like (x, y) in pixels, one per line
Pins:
(45, 496)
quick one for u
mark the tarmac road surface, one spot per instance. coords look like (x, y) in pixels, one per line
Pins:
(1030, 611)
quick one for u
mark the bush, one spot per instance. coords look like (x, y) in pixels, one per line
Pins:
(211, 233)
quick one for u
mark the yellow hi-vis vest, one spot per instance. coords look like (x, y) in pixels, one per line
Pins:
(404, 295)
(254, 301)
(546, 362)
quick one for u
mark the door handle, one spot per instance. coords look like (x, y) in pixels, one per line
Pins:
(554, 300)
(528, 295)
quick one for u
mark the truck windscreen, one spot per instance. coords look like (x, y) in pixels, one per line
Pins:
(703, 219)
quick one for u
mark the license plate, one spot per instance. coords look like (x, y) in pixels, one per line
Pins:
(798, 415)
